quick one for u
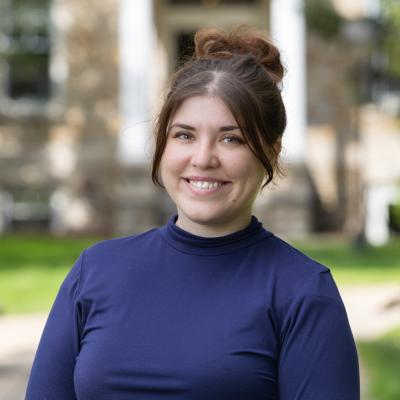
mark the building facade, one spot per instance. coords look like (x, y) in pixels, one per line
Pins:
(80, 86)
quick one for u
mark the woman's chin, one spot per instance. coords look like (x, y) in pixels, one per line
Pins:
(205, 222)
(203, 217)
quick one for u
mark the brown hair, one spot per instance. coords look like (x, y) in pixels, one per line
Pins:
(244, 70)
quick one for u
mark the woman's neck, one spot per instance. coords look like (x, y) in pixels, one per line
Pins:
(212, 229)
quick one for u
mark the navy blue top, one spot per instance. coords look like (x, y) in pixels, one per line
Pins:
(170, 315)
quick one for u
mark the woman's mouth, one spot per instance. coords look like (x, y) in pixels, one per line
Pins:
(205, 186)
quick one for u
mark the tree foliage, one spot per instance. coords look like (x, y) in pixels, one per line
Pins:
(391, 35)
(322, 19)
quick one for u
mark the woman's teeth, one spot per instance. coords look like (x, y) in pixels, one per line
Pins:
(205, 185)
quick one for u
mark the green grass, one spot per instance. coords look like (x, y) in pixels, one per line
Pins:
(352, 265)
(382, 360)
(30, 289)
(33, 267)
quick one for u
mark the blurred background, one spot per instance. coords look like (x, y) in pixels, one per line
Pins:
(80, 87)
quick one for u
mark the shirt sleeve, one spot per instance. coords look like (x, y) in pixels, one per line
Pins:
(52, 373)
(318, 357)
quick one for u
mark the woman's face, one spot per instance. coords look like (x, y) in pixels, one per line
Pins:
(208, 169)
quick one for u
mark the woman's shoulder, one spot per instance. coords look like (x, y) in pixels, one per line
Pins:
(295, 274)
(121, 242)
(119, 249)
(288, 257)
(108, 260)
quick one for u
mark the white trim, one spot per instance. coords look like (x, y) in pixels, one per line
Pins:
(136, 41)
(288, 33)
(378, 199)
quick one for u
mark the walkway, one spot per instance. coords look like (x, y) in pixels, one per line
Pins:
(19, 336)
(367, 307)
(372, 309)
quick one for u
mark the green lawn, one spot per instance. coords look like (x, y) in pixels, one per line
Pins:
(381, 358)
(351, 265)
(32, 267)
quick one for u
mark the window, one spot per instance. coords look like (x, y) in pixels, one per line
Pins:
(24, 49)
(30, 210)
(184, 47)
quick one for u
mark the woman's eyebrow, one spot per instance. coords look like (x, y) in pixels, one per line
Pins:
(183, 126)
(226, 128)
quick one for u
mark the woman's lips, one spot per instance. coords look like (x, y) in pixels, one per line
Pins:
(205, 185)
(205, 179)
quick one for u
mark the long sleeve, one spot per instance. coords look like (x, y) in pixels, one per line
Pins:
(52, 373)
(318, 356)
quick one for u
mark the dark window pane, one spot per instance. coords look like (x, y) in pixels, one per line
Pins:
(31, 211)
(184, 46)
(29, 76)
(28, 48)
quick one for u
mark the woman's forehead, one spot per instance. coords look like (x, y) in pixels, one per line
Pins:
(203, 109)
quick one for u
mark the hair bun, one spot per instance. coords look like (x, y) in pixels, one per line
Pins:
(214, 43)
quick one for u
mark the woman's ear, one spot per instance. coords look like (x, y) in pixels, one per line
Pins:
(275, 151)
(278, 146)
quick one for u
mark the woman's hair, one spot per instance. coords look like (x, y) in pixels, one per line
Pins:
(244, 70)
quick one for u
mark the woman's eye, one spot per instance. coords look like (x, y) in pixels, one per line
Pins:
(233, 139)
(183, 136)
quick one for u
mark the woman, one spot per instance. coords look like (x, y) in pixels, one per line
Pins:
(212, 305)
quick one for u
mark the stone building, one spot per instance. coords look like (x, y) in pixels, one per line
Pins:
(80, 84)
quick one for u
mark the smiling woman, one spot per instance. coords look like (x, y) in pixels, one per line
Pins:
(211, 305)
(208, 168)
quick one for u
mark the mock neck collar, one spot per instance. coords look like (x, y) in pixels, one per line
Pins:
(187, 242)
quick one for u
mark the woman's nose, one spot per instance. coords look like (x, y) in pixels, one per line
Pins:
(204, 156)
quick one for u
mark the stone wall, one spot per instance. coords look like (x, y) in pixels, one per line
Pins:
(64, 151)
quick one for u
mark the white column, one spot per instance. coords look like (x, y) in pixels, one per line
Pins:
(135, 48)
(378, 200)
(288, 33)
